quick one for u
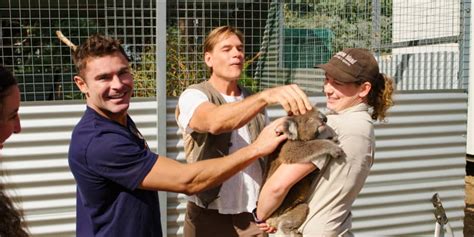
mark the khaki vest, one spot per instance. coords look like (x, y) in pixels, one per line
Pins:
(203, 146)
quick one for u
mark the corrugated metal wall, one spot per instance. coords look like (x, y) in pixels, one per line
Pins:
(420, 151)
(423, 71)
(36, 160)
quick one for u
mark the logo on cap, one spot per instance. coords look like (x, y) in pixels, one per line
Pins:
(345, 58)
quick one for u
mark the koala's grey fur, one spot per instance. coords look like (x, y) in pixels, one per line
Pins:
(309, 138)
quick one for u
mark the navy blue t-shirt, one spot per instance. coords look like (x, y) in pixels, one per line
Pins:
(109, 161)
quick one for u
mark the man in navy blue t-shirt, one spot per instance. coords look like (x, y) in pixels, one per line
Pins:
(116, 173)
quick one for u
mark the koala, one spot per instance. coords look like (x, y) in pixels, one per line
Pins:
(309, 138)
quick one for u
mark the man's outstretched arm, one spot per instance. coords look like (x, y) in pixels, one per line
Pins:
(215, 119)
(170, 175)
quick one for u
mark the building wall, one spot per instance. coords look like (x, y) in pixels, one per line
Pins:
(419, 151)
(425, 19)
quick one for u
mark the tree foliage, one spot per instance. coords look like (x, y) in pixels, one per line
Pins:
(184, 65)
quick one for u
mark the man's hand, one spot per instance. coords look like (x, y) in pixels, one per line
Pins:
(270, 137)
(291, 97)
(266, 228)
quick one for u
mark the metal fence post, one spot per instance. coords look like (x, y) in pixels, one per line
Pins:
(161, 98)
(469, 179)
(376, 30)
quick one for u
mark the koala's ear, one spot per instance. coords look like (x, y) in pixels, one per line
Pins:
(292, 129)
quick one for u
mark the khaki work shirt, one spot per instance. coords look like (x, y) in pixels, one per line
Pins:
(331, 201)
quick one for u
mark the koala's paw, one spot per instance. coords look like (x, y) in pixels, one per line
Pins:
(336, 152)
(272, 222)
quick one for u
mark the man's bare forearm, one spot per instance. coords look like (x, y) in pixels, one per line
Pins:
(170, 175)
(231, 116)
(210, 173)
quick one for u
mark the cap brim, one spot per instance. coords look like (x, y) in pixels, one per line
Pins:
(336, 73)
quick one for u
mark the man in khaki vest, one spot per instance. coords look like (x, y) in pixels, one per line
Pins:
(218, 117)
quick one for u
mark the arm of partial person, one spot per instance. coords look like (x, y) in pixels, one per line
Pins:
(215, 119)
(170, 175)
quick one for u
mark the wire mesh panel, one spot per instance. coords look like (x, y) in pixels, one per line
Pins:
(283, 40)
(424, 50)
(30, 48)
(188, 24)
(416, 42)
(341, 24)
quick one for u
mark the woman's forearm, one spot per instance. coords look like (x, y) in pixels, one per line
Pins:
(277, 186)
(270, 198)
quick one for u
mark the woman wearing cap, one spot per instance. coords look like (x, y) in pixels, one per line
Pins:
(10, 218)
(357, 95)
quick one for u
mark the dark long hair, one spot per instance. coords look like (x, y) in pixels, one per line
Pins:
(7, 80)
(11, 219)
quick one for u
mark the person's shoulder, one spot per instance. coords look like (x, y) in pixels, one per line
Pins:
(191, 96)
(352, 122)
(192, 92)
(103, 137)
(85, 126)
(357, 117)
(93, 125)
(197, 87)
(81, 137)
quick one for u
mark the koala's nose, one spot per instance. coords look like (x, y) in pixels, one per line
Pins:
(323, 117)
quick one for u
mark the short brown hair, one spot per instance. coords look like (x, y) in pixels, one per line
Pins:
(96, 45)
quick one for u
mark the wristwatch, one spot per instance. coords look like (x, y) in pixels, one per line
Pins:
(255, 218)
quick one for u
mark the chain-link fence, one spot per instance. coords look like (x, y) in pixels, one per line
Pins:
(419, 43)
(415, 42)
(43, 66)
(424, 52)
(188, 24)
